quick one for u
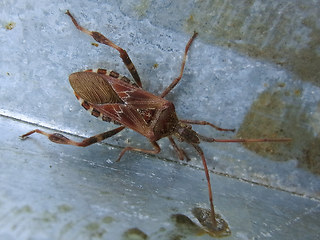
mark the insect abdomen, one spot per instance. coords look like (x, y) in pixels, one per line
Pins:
(94, 112)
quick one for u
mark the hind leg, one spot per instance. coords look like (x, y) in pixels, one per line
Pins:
(102, 39)
(60, 139)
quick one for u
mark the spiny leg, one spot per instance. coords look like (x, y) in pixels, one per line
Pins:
(102, 39)
(204, 163)
(154, 151)
(206, 123)
(60, 139)
(181, 153)
(175, 81)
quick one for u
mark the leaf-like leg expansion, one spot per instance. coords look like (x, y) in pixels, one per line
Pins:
(60, 139)
(175, 81)
(206, 123)
(154, 151)
(102, 39)
(181, 153)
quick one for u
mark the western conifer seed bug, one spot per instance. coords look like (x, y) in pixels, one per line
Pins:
(110, 96)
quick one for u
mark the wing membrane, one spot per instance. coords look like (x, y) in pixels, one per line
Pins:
(126, 115)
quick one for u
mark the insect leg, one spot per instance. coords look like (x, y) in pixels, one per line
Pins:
(102, 39)
(59, 138)
(154, 151)
(206, 123)
(175, 81)
(182, 154)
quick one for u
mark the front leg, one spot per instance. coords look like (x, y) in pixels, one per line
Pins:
(60, 139)
(181, 153)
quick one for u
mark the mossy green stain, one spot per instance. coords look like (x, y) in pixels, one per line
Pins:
(264, 30)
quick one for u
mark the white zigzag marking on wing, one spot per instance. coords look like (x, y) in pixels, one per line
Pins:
(127, 93)
(118, 112)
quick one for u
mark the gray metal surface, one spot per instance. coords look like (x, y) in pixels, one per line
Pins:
(50, 191)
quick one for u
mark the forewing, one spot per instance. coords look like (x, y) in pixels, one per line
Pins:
(136, 97)
(93, 88)
(117, 100)
(126, 115)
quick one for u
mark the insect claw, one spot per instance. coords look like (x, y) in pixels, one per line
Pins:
(121, 154)
(23, 137)
(118, 159)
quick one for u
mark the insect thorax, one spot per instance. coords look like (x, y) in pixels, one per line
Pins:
(166, 122)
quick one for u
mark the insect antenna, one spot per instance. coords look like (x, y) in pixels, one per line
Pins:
(243, 140)
(204, 163)
(214, 221)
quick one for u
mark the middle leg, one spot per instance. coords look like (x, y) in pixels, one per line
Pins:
(175, 81)
(154, 151)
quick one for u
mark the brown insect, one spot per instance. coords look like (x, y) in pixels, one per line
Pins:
(112, 97)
